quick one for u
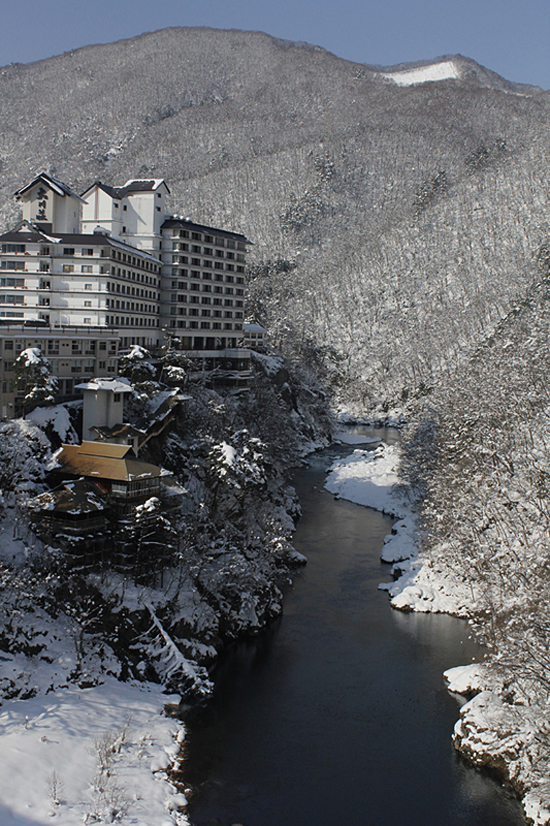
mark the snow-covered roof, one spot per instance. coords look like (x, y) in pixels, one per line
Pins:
(138, 185)
(37, 234)
(133, 185)
(57, 186)
(115, 385)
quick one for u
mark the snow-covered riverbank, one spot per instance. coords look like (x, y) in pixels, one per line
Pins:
(90, 755)
(494, 730)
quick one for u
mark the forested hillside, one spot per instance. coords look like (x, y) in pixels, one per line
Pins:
(393, 226)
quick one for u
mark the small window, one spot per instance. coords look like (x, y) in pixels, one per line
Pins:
(88, 286)
(68, 251)
(68, 267)
(116, 397)
(125, 208)
(86, 268)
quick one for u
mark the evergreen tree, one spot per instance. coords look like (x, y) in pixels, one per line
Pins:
(33, 377)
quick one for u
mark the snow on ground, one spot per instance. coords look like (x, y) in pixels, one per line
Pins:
(270, 364)
(422, 74)
(402, 542)
(81, 755)
(57, 417)
(466, 679)
(425, 588)
(503, 735)
(369, 478)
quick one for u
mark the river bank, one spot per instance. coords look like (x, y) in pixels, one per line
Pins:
(495, 730)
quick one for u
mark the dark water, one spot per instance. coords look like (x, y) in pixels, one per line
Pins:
(339, 715)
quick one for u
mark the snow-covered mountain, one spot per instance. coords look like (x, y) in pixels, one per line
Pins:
(393, 225)
(402, 249)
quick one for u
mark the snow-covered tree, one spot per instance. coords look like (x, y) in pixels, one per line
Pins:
(137, 365)
(33, 377)
(176, 365)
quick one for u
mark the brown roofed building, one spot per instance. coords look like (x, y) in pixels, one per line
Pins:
(114, 468)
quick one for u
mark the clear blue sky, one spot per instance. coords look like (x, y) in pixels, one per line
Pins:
(511, 37)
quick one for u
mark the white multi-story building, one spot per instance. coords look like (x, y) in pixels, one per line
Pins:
(133, 213)
(110, 268)
(73, 279)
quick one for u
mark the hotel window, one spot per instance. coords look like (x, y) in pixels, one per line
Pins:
(12, 282)
(13, 247)
(13, 265)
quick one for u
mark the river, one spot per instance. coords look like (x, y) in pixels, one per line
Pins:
(338, 715)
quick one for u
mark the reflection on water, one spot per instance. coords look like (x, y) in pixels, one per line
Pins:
(339, 714)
